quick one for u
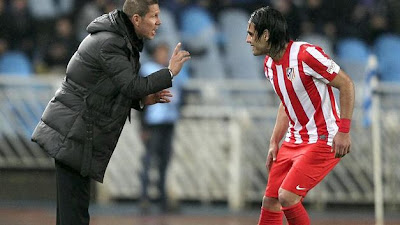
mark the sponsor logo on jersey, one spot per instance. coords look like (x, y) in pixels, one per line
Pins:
(332, 68)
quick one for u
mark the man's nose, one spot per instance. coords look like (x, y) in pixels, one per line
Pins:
(248, 39)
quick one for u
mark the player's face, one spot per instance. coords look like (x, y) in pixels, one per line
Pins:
(147, 25)
(259, 45)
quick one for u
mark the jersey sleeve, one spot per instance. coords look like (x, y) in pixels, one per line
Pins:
(319, 65)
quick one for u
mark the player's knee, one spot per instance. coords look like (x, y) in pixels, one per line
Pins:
(287, 198)
(271, 203)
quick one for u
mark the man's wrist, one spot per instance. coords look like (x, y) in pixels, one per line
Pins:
(344, 125)
(172, 74)
(273, 141)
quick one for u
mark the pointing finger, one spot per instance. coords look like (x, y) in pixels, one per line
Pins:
(177, 48)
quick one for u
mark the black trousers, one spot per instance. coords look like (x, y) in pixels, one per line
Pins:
(73, 196)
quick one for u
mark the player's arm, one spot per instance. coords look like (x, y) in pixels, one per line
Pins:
(280, 129)
(342, 141)
(346, 88)
(281, 125)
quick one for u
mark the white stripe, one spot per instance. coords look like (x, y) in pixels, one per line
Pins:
(289, 133)
(270, 72)
(281, 82)
(302, 94)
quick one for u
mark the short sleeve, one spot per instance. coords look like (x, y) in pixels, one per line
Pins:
(319, 65)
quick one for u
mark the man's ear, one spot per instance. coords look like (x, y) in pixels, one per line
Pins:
(136, 20)
(265, 35)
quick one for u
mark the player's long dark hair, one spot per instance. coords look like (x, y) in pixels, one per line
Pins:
(267, 18)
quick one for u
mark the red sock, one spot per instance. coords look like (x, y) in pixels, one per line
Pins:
(268, 217)
(296, 214)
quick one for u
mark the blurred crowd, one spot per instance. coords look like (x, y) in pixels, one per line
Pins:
(47, 32)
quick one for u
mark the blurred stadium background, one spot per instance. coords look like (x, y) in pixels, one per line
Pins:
(217, 174)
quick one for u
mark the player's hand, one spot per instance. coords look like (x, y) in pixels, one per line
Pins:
(178, 58)
(159, 97)
(341, 144)
(272, 153)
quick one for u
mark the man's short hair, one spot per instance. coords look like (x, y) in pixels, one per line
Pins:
(140, 7)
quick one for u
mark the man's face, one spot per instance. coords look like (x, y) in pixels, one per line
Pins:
(147, 25)
(259, 45)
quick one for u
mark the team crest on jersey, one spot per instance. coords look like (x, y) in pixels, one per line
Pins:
(290, 73)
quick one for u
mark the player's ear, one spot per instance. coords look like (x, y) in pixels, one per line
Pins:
(265, 35)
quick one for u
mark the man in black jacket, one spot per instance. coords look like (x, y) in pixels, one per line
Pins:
(81, 124)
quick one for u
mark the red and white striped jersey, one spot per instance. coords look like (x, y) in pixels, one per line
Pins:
(300, 80)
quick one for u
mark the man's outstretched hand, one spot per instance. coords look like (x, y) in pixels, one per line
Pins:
(158, 97)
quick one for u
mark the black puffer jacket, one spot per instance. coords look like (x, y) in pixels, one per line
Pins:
(81, 124)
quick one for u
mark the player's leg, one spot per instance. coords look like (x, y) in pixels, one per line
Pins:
(271, 213)
(315, 162)
(293, 208)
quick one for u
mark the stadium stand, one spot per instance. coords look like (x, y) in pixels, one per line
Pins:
(352, 54)
(16, 63)
(387, 49)
(240, 62)
(200, 34)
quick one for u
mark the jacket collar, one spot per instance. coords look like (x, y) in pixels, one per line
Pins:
(121, 21)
